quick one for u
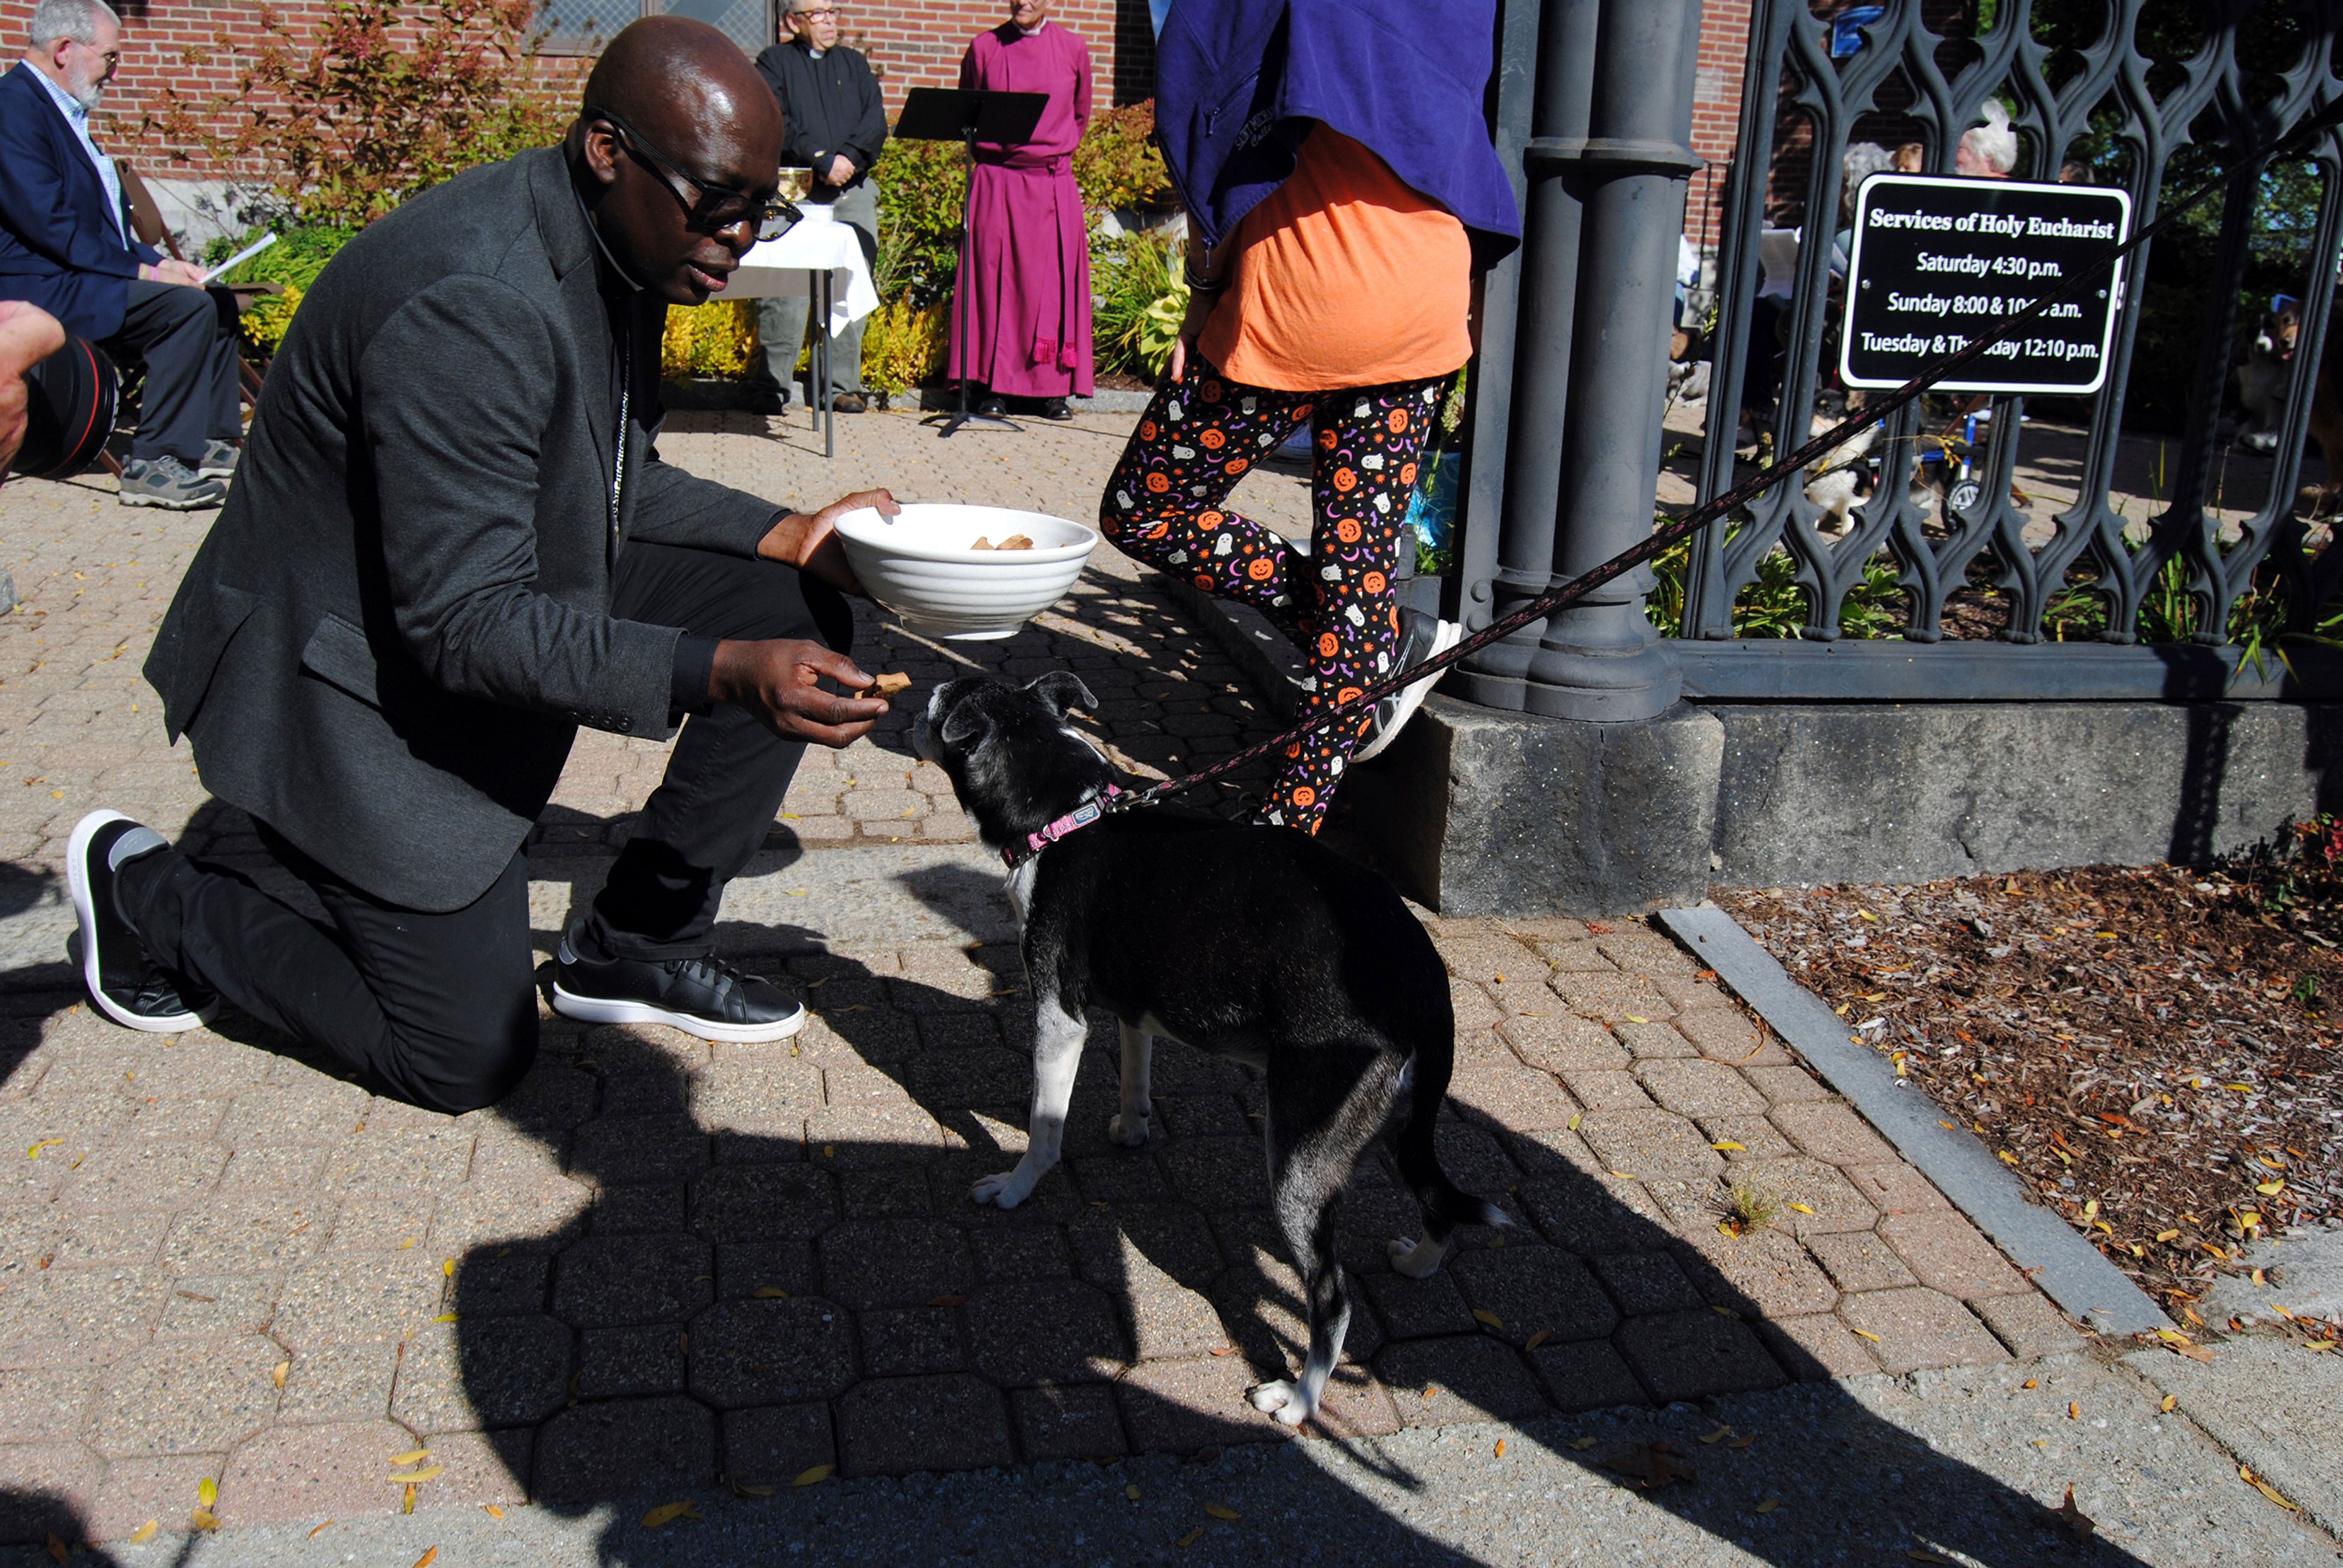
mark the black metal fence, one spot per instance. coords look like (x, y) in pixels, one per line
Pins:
(2049, 606)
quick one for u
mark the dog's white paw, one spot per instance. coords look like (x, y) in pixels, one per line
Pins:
(1007, 1190)
(1413, 1258)
(1130, 1132)
(1284, 1400)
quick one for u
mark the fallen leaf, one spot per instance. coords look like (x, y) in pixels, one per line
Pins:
(2265, 1489)
(1719, 1435)
(208, 1493)
(770, 1293)
(35, 1152)
(203, 1519)
(1190, 1538)
(2006, 1158)
(815, 1476)
(402, 1247)
(2167, 1235)
(1501, 1448)
(1574, 1121)
(669, 1512)
(1482, 1315)
(1726, 1146)
(276, 1373)
(1803, 1208)
(1221, 1511)
(1770, 1505)
(407, 1503)
(430, 1556)
(2169, 1403)
(1225, 1351)
(418, 1477)
(1922, 1555)
(1726, 1312)
(2073, 1520)
(1652, 1465)
(1744, 1441)
(948, 1300)
(742, 1489)
(2031, 1383)
(448, 1267)
(1631, 1018)
(58, 1549)
(1583, 1444)
(1867, 1334)
(444, 1318)
(2270, 1189)
(412, 1457)
(1131, 1492)
(145, 1531)
(2073, 1411)
(1537, 1339)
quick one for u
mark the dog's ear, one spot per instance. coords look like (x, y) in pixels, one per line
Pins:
(966, 721)
(1063, 689)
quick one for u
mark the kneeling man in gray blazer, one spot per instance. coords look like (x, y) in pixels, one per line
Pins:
(451, 543)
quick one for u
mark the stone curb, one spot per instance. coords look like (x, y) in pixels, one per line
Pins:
(2069, 1270)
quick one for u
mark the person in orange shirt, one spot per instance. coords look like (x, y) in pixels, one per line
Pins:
(1339, 300)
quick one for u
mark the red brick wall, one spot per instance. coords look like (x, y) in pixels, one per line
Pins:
(1715, 112)
(913, 43)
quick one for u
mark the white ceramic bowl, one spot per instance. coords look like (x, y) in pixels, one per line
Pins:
(918, 564)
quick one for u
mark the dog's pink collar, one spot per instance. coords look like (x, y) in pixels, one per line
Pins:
(1081, 816)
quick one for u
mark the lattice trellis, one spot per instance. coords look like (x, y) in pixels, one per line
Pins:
(1790, 50)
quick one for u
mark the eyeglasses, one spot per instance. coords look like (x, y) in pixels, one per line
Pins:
(820, 14)
(711, 208)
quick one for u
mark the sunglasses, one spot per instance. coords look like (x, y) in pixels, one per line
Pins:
(710, 209)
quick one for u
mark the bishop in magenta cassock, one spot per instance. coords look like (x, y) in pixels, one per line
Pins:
(1027, 267)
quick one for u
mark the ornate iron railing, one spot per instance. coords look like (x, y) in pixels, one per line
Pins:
(2109, 97)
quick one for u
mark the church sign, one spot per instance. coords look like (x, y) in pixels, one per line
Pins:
(1936, 262)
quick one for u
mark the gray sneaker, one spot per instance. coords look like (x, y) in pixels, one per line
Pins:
(167, 483)
(218, 460)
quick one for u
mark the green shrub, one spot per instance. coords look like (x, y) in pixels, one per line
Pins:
(922, 187)
(1118, 164)
(294, 261)
(1139, 301)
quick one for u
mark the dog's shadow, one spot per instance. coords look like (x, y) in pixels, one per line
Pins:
(781, 1268)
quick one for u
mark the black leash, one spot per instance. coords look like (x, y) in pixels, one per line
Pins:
(1662, 540)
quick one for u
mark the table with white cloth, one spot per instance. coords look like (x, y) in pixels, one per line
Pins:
(837, 280)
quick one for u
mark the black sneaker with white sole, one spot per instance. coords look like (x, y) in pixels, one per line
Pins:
(123, 983)
(1421, 636)
(705, 996)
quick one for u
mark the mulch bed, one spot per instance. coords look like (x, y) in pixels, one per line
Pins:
(2152, 1049)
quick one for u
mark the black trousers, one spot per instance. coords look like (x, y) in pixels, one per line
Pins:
(188, 338)
(440, 1009)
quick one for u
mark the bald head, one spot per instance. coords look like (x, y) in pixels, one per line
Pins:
(699, 125)
(675, 79)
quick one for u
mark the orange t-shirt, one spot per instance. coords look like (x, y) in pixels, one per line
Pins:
(1344, 277)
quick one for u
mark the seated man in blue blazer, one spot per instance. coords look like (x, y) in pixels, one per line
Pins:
(65, 246)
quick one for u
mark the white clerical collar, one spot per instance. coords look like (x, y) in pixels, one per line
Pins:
(816, 54)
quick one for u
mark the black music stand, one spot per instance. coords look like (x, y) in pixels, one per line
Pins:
(967, 115)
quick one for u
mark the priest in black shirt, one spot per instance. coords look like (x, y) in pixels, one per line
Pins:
(835, 127)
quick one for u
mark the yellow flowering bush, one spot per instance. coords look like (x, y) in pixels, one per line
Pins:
(717, 339)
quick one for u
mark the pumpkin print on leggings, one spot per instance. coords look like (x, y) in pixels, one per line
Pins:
(1167, 506)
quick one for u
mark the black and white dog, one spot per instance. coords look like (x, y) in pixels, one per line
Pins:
(1253, 942)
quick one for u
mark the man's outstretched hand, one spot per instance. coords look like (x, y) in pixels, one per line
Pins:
(778, 681)
(811, 543)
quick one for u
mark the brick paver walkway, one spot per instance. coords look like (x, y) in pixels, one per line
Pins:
(661, 1262)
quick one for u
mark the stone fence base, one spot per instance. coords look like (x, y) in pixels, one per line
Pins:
(1477, 812)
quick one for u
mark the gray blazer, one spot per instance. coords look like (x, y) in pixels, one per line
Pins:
(401, 617)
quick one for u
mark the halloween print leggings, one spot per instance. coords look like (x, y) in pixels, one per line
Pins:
(1165, 507)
